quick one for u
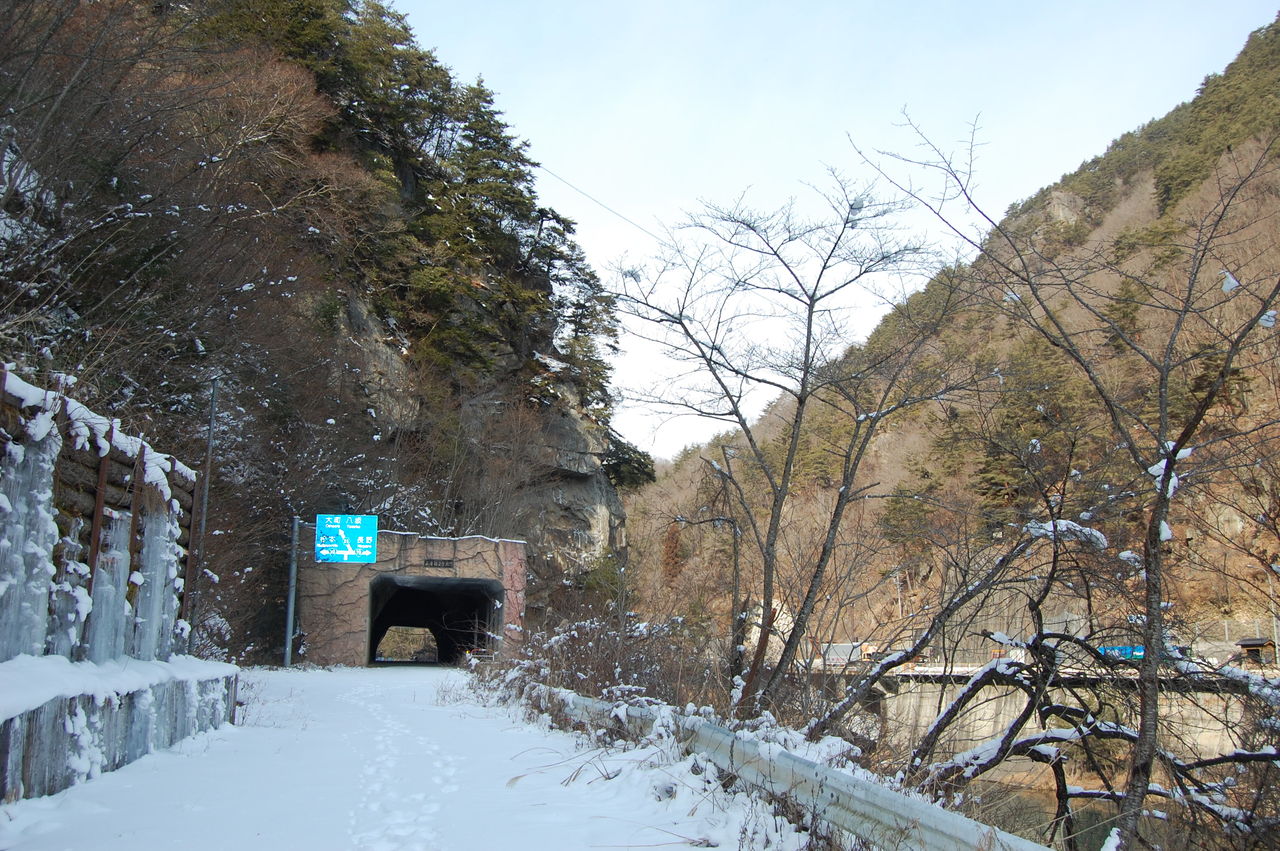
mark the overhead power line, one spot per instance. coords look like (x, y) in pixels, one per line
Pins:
(602, 204)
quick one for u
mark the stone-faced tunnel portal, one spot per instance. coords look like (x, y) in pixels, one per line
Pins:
(466, 593)
(461, 614)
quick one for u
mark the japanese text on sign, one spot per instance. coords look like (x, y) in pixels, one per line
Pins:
(347, 537)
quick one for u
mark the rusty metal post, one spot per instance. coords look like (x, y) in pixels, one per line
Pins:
(99, 509)
(135, 526)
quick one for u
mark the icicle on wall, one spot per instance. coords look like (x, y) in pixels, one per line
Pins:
(157, 602)
(90, 567)
(172, 635)
(71, 603)
(72, 739)
(27, 537)
(105, 636)
(121, 597)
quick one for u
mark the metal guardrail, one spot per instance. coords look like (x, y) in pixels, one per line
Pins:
(864, 809)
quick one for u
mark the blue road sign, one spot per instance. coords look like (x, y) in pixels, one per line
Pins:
(1124, 651)
(347, 537)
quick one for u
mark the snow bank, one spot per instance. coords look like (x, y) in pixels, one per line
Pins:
(67, 723)
(28, 682)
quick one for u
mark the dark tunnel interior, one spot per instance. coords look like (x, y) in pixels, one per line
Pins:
(461, 614)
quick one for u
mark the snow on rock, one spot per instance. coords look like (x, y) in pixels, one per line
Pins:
(1131, 558)
(1066, 530)
(552, 364)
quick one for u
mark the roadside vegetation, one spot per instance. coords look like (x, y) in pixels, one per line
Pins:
(1042, 484)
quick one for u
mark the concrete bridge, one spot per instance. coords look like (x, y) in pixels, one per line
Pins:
(468, 592)
(1208, 713)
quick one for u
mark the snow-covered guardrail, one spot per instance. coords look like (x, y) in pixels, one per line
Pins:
(864, 809)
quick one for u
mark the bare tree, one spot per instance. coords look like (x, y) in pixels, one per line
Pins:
(1157, 325)
(755, 302)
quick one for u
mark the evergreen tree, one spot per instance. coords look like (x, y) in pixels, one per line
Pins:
(457, 246)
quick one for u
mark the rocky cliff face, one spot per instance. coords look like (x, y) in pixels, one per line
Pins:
(340, 280)
(384, 375)
(572, 512)
(534, 453)
(334, 415)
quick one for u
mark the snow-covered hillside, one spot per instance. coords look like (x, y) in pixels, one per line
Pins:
(390, 758)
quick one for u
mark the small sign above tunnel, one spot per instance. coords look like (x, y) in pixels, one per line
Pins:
(347, 538)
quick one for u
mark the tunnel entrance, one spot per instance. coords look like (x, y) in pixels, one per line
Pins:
(407, 644)
(461, 615)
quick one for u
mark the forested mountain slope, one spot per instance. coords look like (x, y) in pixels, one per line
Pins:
(1066, 444)
(1129, 251)
(293, 202)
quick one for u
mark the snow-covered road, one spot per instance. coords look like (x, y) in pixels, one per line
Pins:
(387, 758)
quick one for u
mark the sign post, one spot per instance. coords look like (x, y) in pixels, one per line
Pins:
(347, 538)
(293, 595)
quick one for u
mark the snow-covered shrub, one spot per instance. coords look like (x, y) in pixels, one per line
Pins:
(618, 658)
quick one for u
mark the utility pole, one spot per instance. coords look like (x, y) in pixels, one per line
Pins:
(293, 594)
(208, 470)
(194, 564)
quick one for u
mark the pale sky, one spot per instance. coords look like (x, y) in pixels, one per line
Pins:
(652, 107)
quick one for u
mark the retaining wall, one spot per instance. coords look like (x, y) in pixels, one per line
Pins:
(94, 526)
